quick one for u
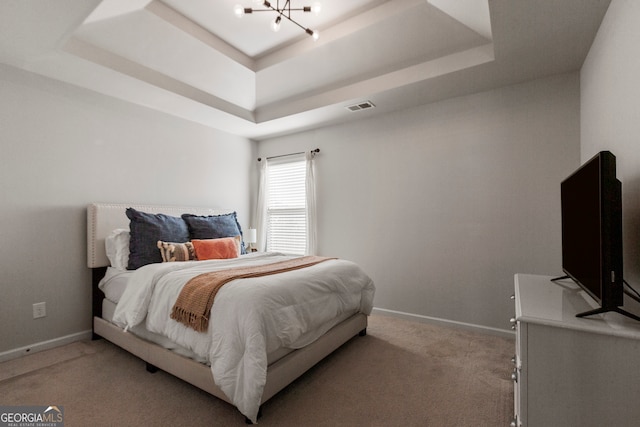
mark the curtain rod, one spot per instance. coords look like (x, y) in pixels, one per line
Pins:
(317, 150)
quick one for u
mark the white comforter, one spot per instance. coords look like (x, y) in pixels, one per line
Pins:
(250, 317)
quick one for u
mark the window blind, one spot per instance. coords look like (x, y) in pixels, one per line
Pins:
(286, 217)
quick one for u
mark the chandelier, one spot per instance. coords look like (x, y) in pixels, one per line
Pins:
(281, 12)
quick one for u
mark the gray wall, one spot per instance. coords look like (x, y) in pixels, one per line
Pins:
(61, 148)
(444, 203)
(440, 204)
(610, 114)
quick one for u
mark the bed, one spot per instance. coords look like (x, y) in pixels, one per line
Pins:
(253, 347)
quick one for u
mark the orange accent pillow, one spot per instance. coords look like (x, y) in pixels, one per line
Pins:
(223, 248)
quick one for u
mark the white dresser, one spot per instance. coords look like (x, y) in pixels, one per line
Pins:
(571, 371)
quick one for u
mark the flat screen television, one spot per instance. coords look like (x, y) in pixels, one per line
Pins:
(591, 200)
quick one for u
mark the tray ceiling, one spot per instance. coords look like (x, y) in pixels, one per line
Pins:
(196, 60)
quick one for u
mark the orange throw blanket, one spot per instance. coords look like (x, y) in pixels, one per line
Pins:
(194, 303)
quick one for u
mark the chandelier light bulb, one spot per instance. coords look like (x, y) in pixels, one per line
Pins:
(238, 10)
(275, 25)
(316, 8)
(315, 35)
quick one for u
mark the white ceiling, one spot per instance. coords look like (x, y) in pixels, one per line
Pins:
(196, 60)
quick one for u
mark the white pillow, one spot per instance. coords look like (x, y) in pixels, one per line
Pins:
(117, 248)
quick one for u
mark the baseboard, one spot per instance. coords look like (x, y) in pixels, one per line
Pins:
(444, 322)
(44, 345)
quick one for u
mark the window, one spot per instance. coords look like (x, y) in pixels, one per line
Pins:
(286, 208)
(286, 218)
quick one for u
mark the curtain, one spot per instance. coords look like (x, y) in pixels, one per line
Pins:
(310, 205)
(261, 207)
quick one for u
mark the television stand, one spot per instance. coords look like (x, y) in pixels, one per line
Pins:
(569, 370)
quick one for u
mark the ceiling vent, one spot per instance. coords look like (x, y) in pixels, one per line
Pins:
(365, 105)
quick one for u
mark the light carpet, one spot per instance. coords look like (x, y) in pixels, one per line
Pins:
(402, 373)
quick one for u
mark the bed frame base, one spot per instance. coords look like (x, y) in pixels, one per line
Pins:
(279, 374)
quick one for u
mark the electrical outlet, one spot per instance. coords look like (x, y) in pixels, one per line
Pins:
(39, 310)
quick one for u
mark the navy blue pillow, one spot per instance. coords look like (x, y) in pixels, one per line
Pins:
(213, 226)
(146, 229)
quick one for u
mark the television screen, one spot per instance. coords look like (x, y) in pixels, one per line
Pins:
(592, 229)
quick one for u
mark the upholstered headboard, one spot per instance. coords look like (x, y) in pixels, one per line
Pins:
(103, 218)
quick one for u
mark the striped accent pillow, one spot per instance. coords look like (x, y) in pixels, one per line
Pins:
(171, 251)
